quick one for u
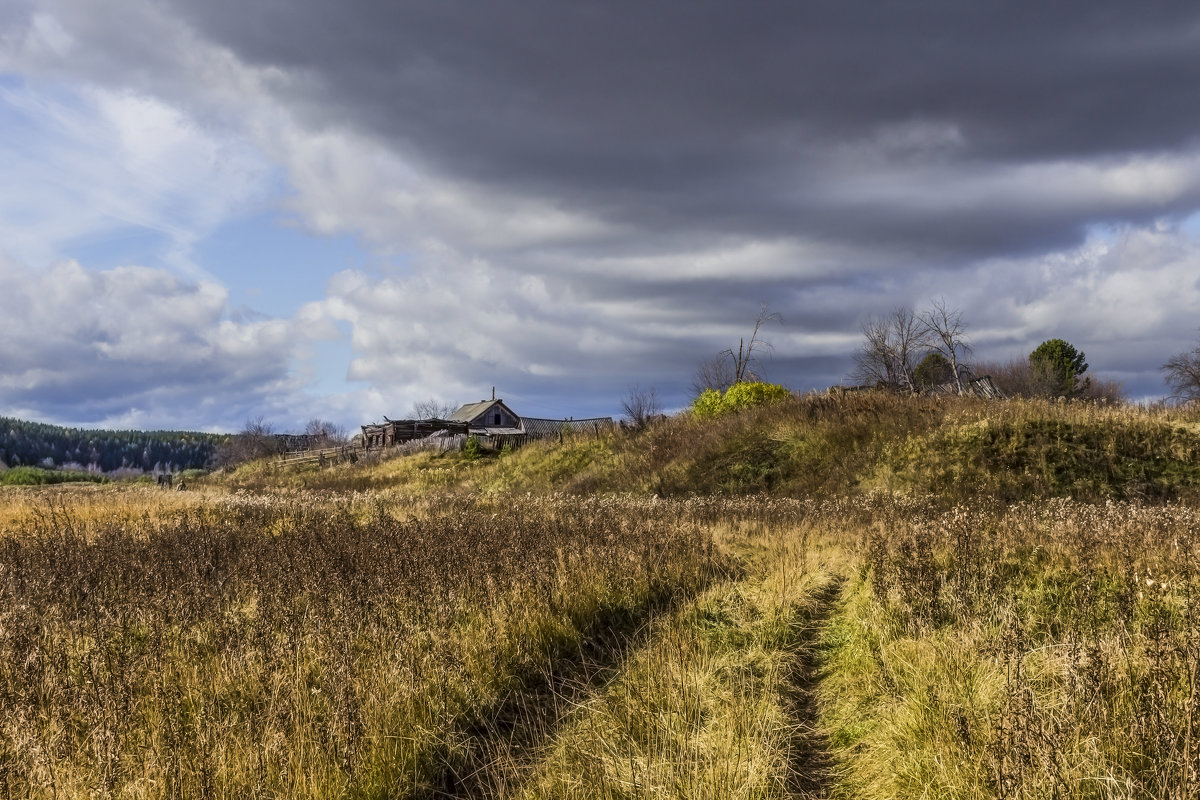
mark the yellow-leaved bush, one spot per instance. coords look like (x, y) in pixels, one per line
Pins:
(712, 403)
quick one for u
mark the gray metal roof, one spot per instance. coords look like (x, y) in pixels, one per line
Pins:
(473, 411)
(546, 428)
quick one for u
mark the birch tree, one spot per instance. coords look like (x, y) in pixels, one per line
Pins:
(945, 333)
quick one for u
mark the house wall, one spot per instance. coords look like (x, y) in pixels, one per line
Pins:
(495, 417)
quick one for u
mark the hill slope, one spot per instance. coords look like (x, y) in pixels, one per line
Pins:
(954, 448)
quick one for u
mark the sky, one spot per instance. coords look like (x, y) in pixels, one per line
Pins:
(219, 211)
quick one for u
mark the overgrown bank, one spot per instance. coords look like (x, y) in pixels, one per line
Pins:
(829, 445)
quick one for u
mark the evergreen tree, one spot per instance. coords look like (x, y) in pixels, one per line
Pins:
(1058, 368)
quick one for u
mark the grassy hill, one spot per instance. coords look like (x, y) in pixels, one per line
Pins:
(953, 448)
(861, 596)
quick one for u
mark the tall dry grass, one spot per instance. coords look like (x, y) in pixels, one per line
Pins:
(389, 630)
(1036, 650)
(304, 648)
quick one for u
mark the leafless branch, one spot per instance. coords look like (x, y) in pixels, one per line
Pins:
(888, 354)
(743, 359)
(945, 333)
(641, 406)
(324, 433)
(1182, 374)
(715, 373)
(432, 409)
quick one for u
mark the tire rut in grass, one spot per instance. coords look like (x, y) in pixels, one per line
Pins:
(810, 761)
(500, 746)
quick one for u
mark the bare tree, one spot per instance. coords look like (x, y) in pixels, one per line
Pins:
(432, 409)
(322, 432)
(743, 360)
(732, 366)
(1182, 373)
(256, 440)
(945, 333)
(891, 345)
(873, 361)
(641, 406)
(715, 373)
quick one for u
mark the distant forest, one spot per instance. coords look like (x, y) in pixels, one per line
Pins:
(36, 444)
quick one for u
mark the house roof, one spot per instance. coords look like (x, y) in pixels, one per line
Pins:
(499, 431)
(473, 411)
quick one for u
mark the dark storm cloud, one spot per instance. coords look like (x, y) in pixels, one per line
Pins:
(730, 116)
(588, 195)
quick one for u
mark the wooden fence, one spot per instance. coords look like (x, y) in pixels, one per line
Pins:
(326, 455)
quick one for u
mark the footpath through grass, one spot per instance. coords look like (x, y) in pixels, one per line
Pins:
(1038, 650)
(930, 616)
(715, 704)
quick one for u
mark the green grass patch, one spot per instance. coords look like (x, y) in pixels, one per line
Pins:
(837, 444)
(1035, 650)
(36, 476)
(1046, 457)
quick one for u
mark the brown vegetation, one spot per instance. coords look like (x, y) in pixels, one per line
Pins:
(267, 647)
(863, 595)
(1037, 650)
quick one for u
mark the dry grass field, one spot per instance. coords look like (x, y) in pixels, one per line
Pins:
(860, 597)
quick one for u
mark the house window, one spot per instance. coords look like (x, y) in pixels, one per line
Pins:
(496, 421)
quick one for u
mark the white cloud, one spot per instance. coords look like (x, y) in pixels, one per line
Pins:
(1100, 187)
(1145, 286)
(96, 163)
(135, 341)
(344, 182)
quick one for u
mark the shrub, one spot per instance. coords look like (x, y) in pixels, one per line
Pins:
(470, 448)
(709, 403)
(746, 394)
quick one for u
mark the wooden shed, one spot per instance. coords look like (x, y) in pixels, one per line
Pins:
(392, 432)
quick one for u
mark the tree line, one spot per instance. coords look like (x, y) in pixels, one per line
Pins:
(38, 444)
(916, 351)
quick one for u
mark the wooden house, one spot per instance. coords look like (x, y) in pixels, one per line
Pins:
(488, 417)
(492, 421)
